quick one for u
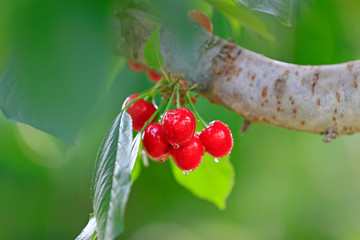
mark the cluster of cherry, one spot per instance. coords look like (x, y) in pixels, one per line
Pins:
(176, 135)
(138, 68)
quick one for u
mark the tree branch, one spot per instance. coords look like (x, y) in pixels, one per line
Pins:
(321, 99)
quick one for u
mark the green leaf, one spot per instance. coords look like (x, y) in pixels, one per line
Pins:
(89, 231)
(116, 63)
(135, 174)
(60, 69)
(60, 108)
(240, 14)
(135, 149)
(136, 170)
(111, 179)
(212, 180)
(152, 50)
(282, 9)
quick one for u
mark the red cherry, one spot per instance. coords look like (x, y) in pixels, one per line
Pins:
(153, 76)
(179, 126)
(135, 67)
(201, 18)
(140, 111)
(217, 139)
(188, 157)
(154, 142)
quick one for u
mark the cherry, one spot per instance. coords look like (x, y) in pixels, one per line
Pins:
(179, 126)
(188, 157)
(153, 76)
(154, 142)
(140, 111)
(217, 139)
(201, 18)
(135, 67)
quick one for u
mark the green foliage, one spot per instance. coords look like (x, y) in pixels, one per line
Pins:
(152, 50)
(241, 15)
(288, 184)
(202, 6)
(89, 231)
(33, 90)
(59, 64)
(42, 103)
(282, 9)
(137, 146)
(135, 173)
(212, 180)
(111, 179)
(116, 64)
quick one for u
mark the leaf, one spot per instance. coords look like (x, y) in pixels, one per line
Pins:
(116, 63)
(111, 179)
(135, 149)
(211, 181)
(136, 164)
(57, 107)
(240, 14)
(152, 52)
(135, 174)
(89, 231)
(56, 77)
(94, 236)
(282, 9)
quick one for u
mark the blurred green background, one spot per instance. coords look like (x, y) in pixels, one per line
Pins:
(289, 185)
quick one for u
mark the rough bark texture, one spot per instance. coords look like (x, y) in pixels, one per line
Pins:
(321, 99)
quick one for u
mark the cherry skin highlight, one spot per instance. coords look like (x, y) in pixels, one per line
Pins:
(140, 111)
(188, 157)
(154, 142)
(153, 76)
(135, 67)
(179, 126)
(217, 139)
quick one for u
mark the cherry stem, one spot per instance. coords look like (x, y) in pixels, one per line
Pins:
(173, 83)
(170, 100)
(192, 87)
(154, 102)
(202, 121)
(165, 75)
(156, 86)
(177, 96)
(151, 93)
(153, 115)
